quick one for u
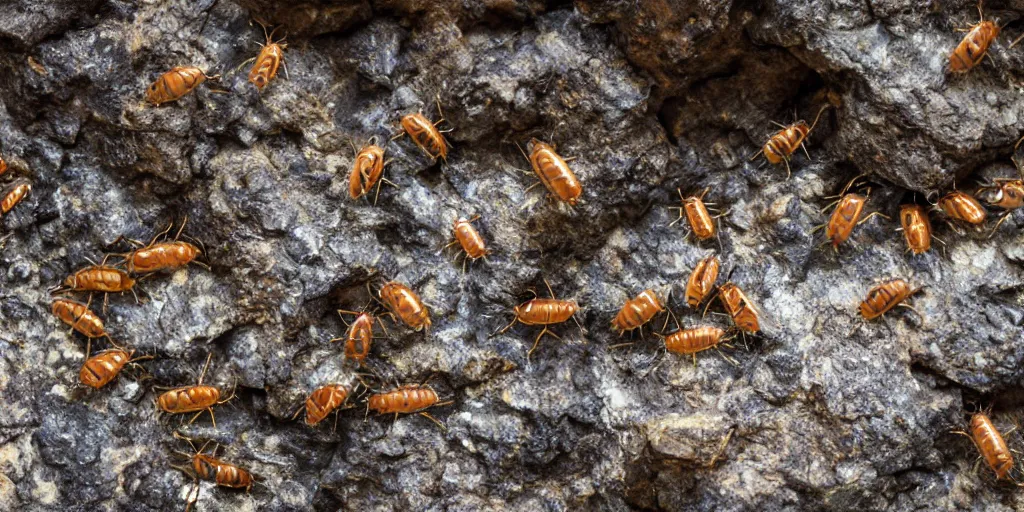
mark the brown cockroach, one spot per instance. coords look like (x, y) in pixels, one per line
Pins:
(554, 172)
(270, 58)
(100, 278)
(197, 398)
(367, 171)
(991, 445)
(79, 317)
(1005, 193)
(157, 256)
(637, 311)
(695, 211)
(425, 134)
(781, 146)
(886, 296)
(962, 207)
(14, 195)
(402, 302)
(323, 401)
(176, 83)
(846, 216)
(744, 313)
(473, 245)
(916, 228)
(101, 368)
(974, 46)
(3, 166)
(212, 469)
(702, 281)
(359, 337)
(695, 339)
(407, 399)
(545, 312)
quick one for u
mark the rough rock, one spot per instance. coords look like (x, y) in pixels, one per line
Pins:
(822, 411)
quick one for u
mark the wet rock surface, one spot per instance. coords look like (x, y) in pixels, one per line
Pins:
(820, 412)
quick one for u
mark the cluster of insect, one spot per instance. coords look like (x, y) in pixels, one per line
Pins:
(402, 304)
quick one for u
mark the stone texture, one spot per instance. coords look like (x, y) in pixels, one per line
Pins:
(821, 412)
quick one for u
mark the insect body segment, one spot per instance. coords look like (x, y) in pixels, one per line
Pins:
(554, 173)
(701, 281)
(637, 311)
(176, 83)
(406, 305)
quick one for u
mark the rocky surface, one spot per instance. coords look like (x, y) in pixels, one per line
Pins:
(821, 412)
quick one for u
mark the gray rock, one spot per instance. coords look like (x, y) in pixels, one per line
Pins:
(822, 411)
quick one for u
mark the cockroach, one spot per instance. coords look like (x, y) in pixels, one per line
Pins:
(916, 228)
(637, 311)
(176, 83)
(991, 445)
(1004, 193)
(359, 337)
(212, 469)
(473, 245)
(743, 312)
(544, 312)
(846, 216)
(781, 146)
(407, 399)
(270, 58)
(100, 278)
(425, 134)
(14, 195)
(3, 166)
(324, 400)
(79, 317)
(962, 207)
(886, 296)
(695, 211)
(554, 172)
(693, 340)
(367, 171)
(157, 256)
(197, 398)
(974, 45)
(103, 367)
(406, 305)
(702, 281)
